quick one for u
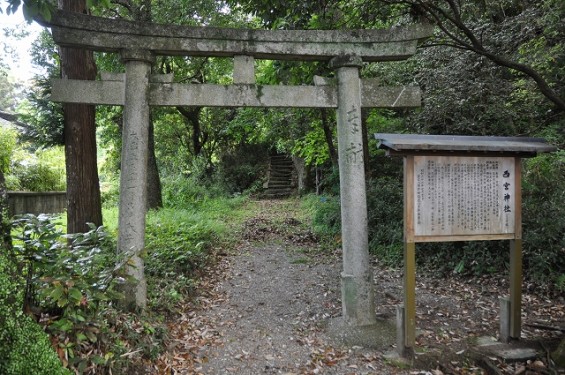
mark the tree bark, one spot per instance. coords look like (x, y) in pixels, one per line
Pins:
(154, 196)
(192, 116)
(83, 187)
(5, 237)
(329, 136)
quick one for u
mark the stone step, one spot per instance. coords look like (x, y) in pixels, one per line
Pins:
(280, 177)
(282, 165)
(271, 186)
(277, 194)
(280, 189)
(281, 172)
(286, 179)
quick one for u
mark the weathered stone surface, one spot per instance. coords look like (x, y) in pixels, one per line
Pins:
(133, 177)
(29, 202)
(378, 335)
(512, 351)
(357, 295)
(243, 69)
(172, 94)
(510, 354)
(505, 319)
(103, 34)
(109, 92)
(162, 78)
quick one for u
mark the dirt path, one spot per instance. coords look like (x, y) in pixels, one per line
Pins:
(273, 303)
(265, 306)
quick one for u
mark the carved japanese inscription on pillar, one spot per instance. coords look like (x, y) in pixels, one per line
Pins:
(354, 151)
(463, 196)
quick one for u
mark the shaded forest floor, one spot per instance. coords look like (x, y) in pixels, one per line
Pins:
(263, 308)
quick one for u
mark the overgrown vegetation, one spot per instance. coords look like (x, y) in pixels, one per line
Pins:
(24, 347)
(30, 169)
(71, 285)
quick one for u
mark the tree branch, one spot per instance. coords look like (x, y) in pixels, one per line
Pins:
(450, 19)
(125, 3)
(13, 118)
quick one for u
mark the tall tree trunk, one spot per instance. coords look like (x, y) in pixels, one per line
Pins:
(328, 134)
(5, 237)
(192, 116)
(83, 188)
(154, 198)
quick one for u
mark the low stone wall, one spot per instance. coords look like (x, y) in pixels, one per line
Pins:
(25, 202)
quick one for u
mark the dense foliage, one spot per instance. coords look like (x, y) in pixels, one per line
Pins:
(24, 347)
(27, 169)
(73, 283)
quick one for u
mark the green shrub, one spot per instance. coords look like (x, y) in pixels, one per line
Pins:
(43, 170)
(72, 279)
(8, 142)
(544, 217)
(24, 347)
(182, 192)
(327, 216)
(178, 244)
(110, 193)
(384, 210)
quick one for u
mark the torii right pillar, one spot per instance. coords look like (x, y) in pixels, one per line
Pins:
(357, 295)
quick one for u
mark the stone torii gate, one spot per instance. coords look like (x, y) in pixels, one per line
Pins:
(137, 90)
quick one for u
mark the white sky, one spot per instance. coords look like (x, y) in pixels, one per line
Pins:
(22, 69)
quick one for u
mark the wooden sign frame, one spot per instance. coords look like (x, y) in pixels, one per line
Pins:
(411, 238)
(482, 201)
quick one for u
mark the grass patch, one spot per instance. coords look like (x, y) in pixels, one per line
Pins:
(180, 242)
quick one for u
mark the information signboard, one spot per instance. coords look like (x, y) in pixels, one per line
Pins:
(461, 188)
(463, 196)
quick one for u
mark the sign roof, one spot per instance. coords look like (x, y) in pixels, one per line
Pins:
(416, 143)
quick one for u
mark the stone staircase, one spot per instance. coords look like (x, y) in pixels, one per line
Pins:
(280, 178)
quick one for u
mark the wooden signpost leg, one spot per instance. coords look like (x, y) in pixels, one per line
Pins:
(409, 295)
(408, 322)
(515, 288)
(516, 257)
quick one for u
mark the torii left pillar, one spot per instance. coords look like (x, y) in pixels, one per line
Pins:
(133, 176)
(357, 295)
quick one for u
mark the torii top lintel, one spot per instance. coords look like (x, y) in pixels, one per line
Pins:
(112, 35)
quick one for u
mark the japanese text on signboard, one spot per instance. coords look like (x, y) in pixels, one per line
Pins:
(463, 195)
